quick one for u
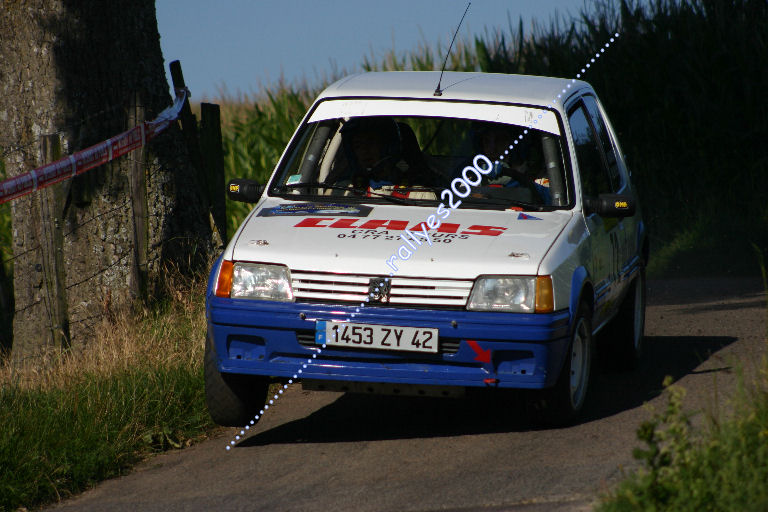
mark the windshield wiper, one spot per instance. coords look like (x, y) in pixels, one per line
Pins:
(362, 192)
(507, 203)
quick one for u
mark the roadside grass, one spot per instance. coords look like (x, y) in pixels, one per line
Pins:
(84, 417)
(714, 245)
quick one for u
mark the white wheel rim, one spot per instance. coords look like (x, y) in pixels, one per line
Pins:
(639, 313)
(580, 355)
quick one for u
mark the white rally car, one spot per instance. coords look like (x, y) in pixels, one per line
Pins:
(418, 241)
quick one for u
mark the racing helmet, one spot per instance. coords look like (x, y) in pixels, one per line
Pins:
(377, 134)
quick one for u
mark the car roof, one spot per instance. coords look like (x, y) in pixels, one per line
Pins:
(491, 87)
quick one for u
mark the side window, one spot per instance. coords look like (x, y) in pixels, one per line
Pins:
(605, 141)
(594, 175)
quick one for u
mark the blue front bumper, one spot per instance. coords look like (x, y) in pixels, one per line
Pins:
(276, 339)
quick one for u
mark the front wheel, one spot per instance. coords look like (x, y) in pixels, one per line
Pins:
(232, 399)
(563, 403)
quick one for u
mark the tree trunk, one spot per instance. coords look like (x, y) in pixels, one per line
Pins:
(87, 70)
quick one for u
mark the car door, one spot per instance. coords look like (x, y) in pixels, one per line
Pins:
(606, 234)
(627, 241)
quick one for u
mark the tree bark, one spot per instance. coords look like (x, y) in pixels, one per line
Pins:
(87, 70)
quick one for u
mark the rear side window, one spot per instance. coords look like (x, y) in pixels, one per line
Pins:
(593, 173)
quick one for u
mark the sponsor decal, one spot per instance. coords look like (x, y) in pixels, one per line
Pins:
(303, 209)
(417, 232)
(293, 179)
(525, 216)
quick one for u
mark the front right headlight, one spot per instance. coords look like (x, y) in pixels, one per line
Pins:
(503, 293)
(513, 294)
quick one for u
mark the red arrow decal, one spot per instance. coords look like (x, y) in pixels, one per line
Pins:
(484, 356)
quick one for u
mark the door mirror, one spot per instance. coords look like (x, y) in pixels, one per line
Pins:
(610, 205)
(244, 191)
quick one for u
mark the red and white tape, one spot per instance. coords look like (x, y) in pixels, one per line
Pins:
(94, 156)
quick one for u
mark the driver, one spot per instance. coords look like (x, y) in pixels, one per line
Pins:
(382, 157)
(373, 148)
(510, 169)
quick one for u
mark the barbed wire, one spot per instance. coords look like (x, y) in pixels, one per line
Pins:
(150, 169)
(117, 209)
(71, 127)
(124, 254)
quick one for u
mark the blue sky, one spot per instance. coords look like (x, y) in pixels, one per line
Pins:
(245, 44)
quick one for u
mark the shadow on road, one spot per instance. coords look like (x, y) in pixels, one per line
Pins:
(677, 356)
(373, 417)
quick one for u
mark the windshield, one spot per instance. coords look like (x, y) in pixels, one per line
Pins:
(414, 159)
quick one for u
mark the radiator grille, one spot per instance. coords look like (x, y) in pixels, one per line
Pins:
(404, 291)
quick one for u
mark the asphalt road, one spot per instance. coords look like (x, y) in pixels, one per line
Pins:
(330, 451)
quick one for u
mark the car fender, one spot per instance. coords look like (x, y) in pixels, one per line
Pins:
(642, 235)
(212, 278)
(579, 280)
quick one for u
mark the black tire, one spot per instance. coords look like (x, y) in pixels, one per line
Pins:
(562, 404)
(233, 400)
(623, 338)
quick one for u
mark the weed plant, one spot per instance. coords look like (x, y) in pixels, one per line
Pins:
(84, 417)
(724, 469)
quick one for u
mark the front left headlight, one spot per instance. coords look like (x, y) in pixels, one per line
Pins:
(260, 281)
(512, 294)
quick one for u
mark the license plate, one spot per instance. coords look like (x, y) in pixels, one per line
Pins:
(380, 337)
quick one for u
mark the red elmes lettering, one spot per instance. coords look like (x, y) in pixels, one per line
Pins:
(483, 230)
(313, 222)
(344, 223)
(447, 227)
(393, 225)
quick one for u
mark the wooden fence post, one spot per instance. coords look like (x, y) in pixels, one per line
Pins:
(52, 246)
(138, 184)
(213, 163)
(187, 118)
(204, 166)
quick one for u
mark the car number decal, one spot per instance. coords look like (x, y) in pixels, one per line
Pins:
(303, 209)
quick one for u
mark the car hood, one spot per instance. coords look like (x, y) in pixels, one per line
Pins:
(361, 239)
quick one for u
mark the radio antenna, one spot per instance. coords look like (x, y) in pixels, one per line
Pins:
(438, 91)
